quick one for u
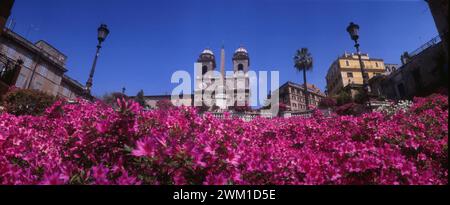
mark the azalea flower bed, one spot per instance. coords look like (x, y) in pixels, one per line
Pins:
(91, 143)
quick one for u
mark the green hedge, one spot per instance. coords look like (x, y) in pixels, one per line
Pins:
(26, 102)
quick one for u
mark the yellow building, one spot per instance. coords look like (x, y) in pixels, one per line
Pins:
(346, 70)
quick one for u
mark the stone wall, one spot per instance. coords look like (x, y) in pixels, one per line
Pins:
(422, 75)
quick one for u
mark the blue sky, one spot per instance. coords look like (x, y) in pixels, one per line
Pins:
(149, 40)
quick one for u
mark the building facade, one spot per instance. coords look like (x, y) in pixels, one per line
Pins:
(43, 66)
(203, 77)
(293, 95)
(346, 70)
(70, 88)
(233, 90)
(390, 67)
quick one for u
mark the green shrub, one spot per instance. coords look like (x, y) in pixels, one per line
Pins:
(26, 102)
(361, 97)
(343, 98)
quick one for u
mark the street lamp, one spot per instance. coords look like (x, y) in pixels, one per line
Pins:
(102, 34)
(353, 29)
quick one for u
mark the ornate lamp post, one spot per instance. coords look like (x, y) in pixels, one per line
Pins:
(353, 29)
(102, 34)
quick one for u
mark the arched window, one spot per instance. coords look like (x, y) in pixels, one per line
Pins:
(204, 69)
(240, 67)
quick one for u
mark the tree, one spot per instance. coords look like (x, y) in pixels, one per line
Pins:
(303, 62)
(343, 98)
(361, 97)
(140, 98)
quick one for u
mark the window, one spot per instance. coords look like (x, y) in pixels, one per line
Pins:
(240, 67)
(21, 80)
(27, 62)
(366, 75)
(376, 64)
(204, 69)
(42, 70)
(349, 75)
(66, 92)
(347, 63)
(294, 105)
(11, 52)
(37, 84)
(56, 78)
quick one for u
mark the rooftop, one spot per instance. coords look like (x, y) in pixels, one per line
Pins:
(311, 87)
(73, 81)
(364, 56)
(35, 49)
(207, 51)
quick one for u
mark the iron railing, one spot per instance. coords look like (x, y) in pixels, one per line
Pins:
(428, 44)
(7, 68)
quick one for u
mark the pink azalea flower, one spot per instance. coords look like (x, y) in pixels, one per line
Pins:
(54, 179)
(100, 175)
(145, 147)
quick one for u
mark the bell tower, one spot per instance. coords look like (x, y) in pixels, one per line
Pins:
(241, 60)
(206, 62)
(241, 64)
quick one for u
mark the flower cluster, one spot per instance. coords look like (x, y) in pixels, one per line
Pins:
(391, 108)
(92, 143)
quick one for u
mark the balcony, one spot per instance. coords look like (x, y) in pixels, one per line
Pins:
(9, 71)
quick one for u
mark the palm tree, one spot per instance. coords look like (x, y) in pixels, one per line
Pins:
(303, 61)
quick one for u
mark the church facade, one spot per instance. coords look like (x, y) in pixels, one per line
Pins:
(222, 89)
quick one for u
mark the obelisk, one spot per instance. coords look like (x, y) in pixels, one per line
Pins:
(222, 62)
(221, 98)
